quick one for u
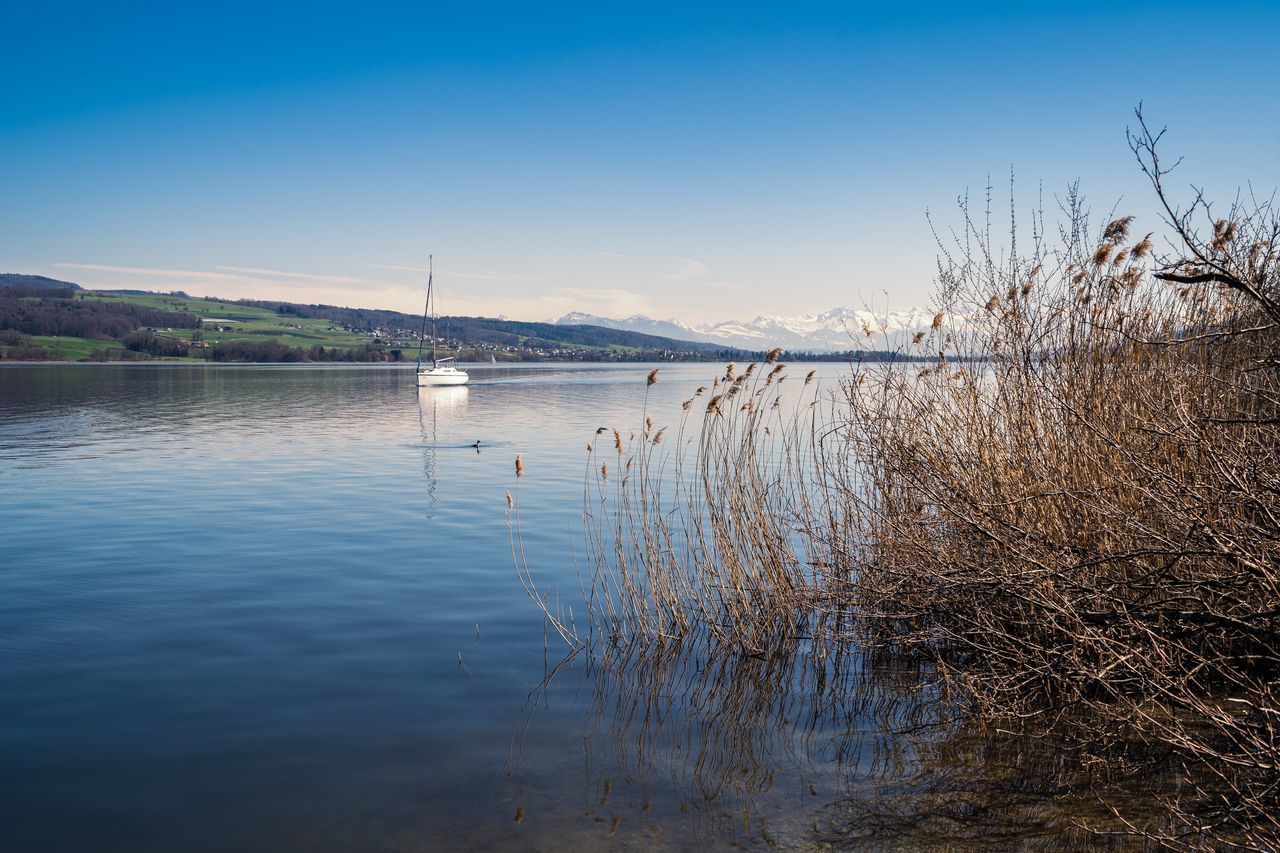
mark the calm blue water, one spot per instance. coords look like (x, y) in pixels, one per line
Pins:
(264, 608)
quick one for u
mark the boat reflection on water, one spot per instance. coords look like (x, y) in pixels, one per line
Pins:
(438, 398)
(436, 404)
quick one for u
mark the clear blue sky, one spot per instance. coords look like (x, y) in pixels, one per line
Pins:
(699, 161)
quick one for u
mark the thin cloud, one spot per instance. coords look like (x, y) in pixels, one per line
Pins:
(303, 276)
(695, 272)
(397, 267)
(487, 275)
(605, 301)
(687, 269)
(604, 254)
(151, 271)
(243, 275)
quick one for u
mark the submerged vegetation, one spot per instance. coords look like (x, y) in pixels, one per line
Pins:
(1067, 524)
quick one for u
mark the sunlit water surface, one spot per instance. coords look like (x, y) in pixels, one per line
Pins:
(260, 608)
(264, 608)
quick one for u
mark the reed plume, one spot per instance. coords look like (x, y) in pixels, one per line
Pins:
(1071, 516)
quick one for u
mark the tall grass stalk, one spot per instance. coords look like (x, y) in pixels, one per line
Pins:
(1072, 513)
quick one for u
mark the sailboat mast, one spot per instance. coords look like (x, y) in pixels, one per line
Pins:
(425, 308)
(432, 303)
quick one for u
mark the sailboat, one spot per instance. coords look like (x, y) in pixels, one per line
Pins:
(441, 371)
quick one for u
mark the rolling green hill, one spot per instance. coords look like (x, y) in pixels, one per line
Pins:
(44, 319)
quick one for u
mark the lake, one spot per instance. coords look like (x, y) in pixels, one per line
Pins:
(265, 608)
(277, 608)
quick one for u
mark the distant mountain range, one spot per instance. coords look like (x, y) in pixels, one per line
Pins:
(837, 330)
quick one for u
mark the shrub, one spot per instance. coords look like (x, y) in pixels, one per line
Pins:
(1072, 515)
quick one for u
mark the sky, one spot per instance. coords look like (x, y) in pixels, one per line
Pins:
(695, 161)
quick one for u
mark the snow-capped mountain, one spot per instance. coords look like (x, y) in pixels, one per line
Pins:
(636, 323)
(839, 329)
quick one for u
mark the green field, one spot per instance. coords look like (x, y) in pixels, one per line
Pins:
(74, 349)
(244, 323)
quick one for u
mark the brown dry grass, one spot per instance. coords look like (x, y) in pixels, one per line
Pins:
(1072, 514)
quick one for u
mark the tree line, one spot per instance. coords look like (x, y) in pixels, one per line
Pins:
(75, 318)
(273, 351)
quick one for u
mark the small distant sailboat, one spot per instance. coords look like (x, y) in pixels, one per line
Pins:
(441, 371)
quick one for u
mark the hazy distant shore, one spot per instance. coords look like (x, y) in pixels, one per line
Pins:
(45, 320)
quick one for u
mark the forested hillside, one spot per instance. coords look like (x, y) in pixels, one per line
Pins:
(10, 280)
(45, 319)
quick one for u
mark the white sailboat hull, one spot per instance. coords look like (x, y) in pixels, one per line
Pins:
(441, 371)
(442, 376)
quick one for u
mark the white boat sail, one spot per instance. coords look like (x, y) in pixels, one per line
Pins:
(441, 371)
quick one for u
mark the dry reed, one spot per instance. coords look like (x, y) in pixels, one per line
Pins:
(1072, 515)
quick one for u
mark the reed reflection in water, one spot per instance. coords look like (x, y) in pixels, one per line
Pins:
(767, 726)
(690, 745)
(743, 746)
